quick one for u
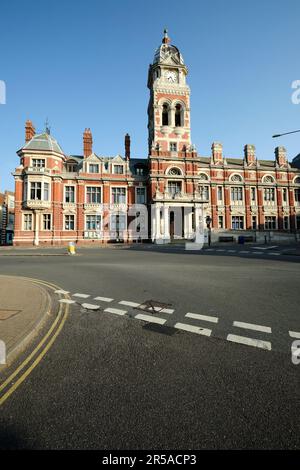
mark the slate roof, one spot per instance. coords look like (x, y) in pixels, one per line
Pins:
(43, 142)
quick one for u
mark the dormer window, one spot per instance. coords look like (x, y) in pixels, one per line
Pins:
(118, 169)
(93, 168)
(38, 163)
(71, 167)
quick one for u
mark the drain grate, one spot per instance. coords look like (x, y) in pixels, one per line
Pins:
(152, 306)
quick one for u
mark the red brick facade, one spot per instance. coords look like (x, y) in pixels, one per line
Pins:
(88, 199)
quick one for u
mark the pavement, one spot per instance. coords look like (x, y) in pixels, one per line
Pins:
(24, 307)
(162, 349)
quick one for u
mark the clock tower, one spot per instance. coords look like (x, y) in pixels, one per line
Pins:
(169, 104)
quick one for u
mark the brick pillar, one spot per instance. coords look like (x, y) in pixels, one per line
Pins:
(261, 218)
(214, 207)
(80, 210)
(227, 208)
(280, 211)
(292, 209)
(57, 197)
(248, 211)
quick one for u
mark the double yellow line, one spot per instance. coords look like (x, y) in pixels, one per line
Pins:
(7, 387)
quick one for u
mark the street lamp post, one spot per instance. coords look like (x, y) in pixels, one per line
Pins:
(285, 133)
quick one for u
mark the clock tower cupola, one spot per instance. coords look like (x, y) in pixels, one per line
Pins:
(169, 104)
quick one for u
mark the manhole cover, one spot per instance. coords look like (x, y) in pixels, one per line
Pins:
(6, 314)
(153, 306)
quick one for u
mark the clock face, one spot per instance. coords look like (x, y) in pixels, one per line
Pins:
(171, 76)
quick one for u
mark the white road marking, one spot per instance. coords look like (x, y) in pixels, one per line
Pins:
(220, 250)
(251, 326)
(60, 291)
(197, 316)
(67, 301)
(294, 334)
(163, 310)
(150, 318)
(193, 329)
(116, 311)
(90, 306)
(231, 251)
(264, 247)
(257, 343)
(209, 249)
(82, 296)
(167, 310)
(130, 304)
(274, 254)
(104, 299)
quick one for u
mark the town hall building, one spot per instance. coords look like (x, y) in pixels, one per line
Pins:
(91, 198)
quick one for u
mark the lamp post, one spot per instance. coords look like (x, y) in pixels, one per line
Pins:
(208, 221)
(285, 133)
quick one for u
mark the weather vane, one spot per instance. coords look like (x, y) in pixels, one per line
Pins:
(47, 127)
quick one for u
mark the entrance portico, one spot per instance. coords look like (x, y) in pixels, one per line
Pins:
(171, 221)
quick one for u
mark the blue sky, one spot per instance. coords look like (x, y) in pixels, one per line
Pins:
(85, 64)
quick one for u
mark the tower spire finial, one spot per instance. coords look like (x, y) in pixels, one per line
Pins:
(166, 38)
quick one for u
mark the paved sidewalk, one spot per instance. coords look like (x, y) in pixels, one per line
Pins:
(24, 305)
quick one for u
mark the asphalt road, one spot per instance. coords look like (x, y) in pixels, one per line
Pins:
(114, 381)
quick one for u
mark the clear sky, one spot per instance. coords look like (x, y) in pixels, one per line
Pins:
(85, 63)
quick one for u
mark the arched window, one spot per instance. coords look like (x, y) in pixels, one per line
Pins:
(174, 172)
(268, 179)
(236, 178)
(165, 115)
(178, 115)
(297, 180)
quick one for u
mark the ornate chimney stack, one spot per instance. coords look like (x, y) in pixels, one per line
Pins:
(29, 130)
(127, 147)
(217, 152)
(280, 155)
(249, 152)
(87, 142)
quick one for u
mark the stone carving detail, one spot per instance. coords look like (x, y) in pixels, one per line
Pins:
(174, 172)
(236, 179)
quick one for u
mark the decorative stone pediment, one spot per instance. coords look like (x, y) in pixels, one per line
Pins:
(117, 159)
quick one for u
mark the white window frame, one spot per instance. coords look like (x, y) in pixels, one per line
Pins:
(64, 227)
(94, 164)
(253, 201)
(111, 194)
(43, 227)
(120, 165)
(240, 217)
(222, 194)
(136, 194)
(39, 160)
(73, 186)
(237, 189)
(93, 229)
(93, 186)
(271, 217)
(23, 221)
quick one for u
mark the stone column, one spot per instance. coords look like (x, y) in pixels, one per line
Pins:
(157, 223)
(166, 224)
(36, 228)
